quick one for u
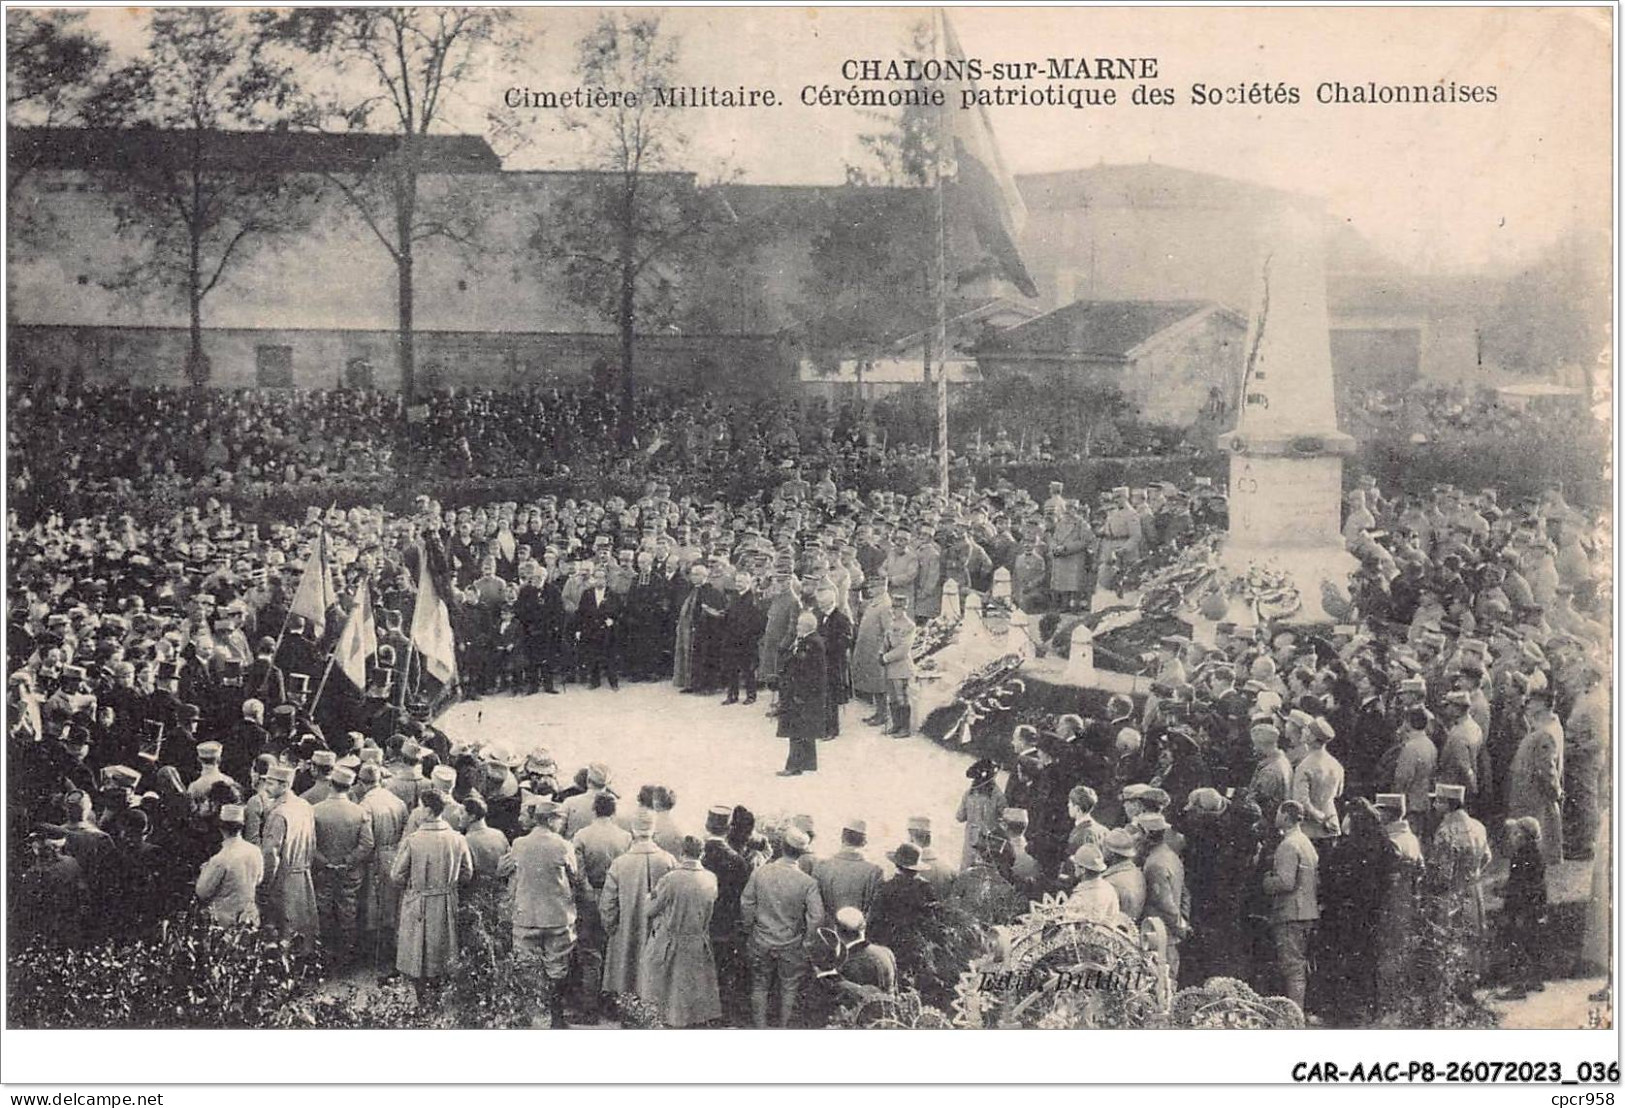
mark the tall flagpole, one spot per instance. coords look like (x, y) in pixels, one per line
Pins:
(287, 616)
(938, 36)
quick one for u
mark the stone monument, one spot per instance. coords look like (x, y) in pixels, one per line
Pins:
(1286, 452)
(1080, 662)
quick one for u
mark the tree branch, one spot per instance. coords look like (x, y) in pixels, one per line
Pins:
(360, 206)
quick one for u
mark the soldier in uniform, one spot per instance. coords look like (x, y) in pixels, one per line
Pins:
(901, 570)
(344, 846)
(430, 865)
(229, 880)
(781, 910)
(288, 844)
(897, 664)
(208, 756)
(544, 877)
(1069, 552)
(379, 898)
(1120, 541)
(322, 764)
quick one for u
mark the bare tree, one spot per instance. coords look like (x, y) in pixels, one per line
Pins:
(186, 179)
(623, 232)
(412, 63)
(51, 66)
(873, 275)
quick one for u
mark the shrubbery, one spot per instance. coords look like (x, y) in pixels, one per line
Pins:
(189, 974)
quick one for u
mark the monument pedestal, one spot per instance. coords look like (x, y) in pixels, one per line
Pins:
(1309, 571)
(1285, 516)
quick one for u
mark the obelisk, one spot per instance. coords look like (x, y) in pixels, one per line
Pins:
(1286, 453)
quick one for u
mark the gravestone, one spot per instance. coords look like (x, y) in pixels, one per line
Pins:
(1080, 662)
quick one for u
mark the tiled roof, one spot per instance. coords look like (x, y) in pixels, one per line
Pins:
(1096, 328)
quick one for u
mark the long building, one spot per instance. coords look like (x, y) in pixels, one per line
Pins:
(318, 309)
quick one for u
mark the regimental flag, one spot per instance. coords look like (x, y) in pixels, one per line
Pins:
(980, 182)
(315, 594)
(358, 642)
(431, 628)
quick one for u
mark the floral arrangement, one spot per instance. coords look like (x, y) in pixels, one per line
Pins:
(932, 638)
(1112, 977)
(1225, 1003)
(992, 688)
(900, 1011)
(1269, 591)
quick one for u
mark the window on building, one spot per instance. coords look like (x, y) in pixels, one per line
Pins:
(358, 374)
(273, 367)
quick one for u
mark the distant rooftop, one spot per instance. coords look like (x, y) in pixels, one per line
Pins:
(290, 151)
(1107, 329)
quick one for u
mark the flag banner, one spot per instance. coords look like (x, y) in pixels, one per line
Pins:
(431, 629)
(315, 594)
(980, 183)
(358, 642)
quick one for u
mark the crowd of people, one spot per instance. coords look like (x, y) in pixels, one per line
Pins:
(100, 447)
(1454, 414)
(119, 441)
(177, 733)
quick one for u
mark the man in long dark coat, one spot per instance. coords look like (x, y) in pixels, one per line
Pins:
(803, 697)
(648, 617)
(835, 628)
(710, 618)
(598, 632)
(727, 930)
(742, 636)
(540, 611)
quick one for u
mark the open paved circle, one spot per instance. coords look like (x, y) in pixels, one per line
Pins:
(650, 734)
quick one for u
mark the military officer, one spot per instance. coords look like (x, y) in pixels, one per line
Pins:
(344, 846)
(229, 880)
(287, 843)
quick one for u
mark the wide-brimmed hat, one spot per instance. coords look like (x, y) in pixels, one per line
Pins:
(907, 857)
(1088, 857)
(981, 771)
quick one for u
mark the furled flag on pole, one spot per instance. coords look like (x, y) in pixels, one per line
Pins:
(315, 593)
(358, 641)
(431, 628)
(981, 182)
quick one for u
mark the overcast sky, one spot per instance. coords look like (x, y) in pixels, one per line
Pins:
(1440, 186)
